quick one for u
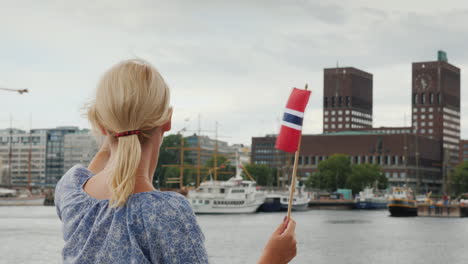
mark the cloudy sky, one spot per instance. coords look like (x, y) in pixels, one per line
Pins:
(228, 61)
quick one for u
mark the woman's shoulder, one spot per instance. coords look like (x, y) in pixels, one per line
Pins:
(74, 177)
(156, 200)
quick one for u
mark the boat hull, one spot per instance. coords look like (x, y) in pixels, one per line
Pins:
(399, 207)
(271, 205)
(295, 207)
(368, 205)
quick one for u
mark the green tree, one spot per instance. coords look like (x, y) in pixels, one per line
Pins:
(332, 173)
(459, 179)
(262, 174)
(366, 175)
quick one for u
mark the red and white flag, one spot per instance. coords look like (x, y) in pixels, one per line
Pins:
(291, 125)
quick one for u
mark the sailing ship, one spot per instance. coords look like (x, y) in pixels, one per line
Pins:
(368, 199)
(402, 203)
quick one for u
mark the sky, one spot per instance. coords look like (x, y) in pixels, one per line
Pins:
(231, 62)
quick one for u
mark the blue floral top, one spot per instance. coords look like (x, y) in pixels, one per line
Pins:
(152, 227)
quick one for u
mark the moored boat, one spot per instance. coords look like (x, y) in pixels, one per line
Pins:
(10, 197)
(369, 200)
(402, 203)
(233, 196)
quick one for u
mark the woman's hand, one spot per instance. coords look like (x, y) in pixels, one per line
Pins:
(281, 248)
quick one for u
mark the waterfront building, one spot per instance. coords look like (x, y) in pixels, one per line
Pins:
(38, 156)
(16, 146)
(420, 156)
(79, 148)
(55, 153)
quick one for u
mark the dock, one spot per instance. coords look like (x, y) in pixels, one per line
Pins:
(442, 210)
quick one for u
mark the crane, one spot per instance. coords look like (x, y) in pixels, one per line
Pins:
(20, 91)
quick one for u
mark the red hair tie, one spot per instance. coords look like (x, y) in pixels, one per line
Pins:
(128, 133)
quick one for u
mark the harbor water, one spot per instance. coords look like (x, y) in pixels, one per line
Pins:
(33, 235)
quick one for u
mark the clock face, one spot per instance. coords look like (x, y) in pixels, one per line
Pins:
(423, 82)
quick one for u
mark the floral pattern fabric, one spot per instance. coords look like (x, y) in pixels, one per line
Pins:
(152, 227)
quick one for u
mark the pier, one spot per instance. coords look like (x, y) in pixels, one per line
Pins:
(442, 210)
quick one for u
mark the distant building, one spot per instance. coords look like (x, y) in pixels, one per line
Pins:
(208, 146)
(347, 99)
(37, 156)
(79, 148)
(420, 156)
(15, 148)
(463, 151)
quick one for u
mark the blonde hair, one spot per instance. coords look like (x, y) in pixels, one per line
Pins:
(132, 95)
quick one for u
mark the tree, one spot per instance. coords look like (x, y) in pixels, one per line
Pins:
(459, 179)
(262, 174)
(366, 175)
(331, 173)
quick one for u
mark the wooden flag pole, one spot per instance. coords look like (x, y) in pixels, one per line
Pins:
(292, 188)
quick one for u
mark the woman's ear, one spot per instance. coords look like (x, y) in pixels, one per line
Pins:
(103, 131)
(167, 126)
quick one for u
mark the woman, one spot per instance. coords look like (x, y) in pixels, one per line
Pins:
(110, 211)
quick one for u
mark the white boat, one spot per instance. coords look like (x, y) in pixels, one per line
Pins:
(279, 200)
(368, 199)
(233, 196)
(10, 197)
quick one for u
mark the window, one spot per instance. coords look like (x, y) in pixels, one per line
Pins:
(423, 123)
(430, 116)
(415, 110)
(333, 119)
(333, 126)
(340, 112)
(423, 116)
(325, 102)
(340, 101)
(325, 113)
(325, 126)
(347, 125)
(415, 98)
(430, 123)
(347, 112)
(431, 109)
(340, 126)
(333, 101)
(333, 112)
(348, 101)
(423, 109)
(340, 119)
(325, 119)
(347, 119)
(439, 98)
(423, 131)
(423, 98)
(431, 98)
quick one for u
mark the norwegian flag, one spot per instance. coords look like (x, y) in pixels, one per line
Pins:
(291, 125)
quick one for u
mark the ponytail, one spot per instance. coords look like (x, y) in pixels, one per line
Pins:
(123, 176)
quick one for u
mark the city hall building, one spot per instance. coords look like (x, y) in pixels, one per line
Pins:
(420, 156)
